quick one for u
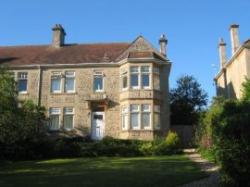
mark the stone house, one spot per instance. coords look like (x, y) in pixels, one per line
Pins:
(234, 70)
(104, 89)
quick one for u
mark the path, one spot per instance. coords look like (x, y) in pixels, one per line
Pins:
(210, 168)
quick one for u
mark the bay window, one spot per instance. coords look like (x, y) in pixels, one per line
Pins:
(22, 82)
(69, 86)
(54, 118)
(140, 116)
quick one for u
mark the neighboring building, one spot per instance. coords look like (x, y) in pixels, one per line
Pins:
(110, 89)
(233, 71)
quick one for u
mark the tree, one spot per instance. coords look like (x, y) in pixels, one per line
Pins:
(246, 89)
(187, 101)
(22, 124)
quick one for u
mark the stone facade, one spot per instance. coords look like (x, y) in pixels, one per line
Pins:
(233, 71)
(112, 99)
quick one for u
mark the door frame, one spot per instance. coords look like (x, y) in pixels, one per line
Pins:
(103, 124)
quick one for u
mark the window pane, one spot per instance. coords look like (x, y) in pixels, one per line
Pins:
(157, 120)
(54, 110)
(134, 69)
(145, 120)
(125, 109)
(55, 84)
(22, 85)
(98, 83)
(124, 82)
(134, 80)
(145, 80)
(68, 110)
(145, 69)
(22, 75)
(145, 108)
(134, 120)
(68, 121)
(134, 108)
(54, 122)
(69, 84)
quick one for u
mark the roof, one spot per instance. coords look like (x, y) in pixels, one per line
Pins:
(78, 53)
(68, 54)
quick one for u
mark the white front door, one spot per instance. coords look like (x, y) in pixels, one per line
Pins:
(97, 126)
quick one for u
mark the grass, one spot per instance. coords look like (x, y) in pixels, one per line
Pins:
(112, 172)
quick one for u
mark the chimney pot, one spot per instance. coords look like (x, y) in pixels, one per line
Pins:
(163, 45)
(58, 36)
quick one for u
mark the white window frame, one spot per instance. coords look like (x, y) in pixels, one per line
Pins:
(98, 74)
(69, 113)
(22, 76)
(139, 118)
(124, 75)
(146, 112)
(125, 113)
(56, 74)
(138, 77)
(67, 75)
(57, 112)
(145, 73)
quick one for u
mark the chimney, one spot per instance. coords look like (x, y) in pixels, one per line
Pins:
(235, 41)
(58, 36)
(222, 53)
(163, 44)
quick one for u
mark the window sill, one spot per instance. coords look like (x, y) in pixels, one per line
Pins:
(63, 93)
(23, 93)
(138, 130)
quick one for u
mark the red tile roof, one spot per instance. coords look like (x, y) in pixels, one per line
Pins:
(68, 54)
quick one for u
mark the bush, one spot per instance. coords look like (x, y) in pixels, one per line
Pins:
(172, 140)
(225, 133)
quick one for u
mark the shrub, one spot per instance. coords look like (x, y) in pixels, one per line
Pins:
(172, 140)
(226, 126)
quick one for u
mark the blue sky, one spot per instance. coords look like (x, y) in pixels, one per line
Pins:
(193, 27)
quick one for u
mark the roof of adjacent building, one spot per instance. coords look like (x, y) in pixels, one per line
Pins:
(77, 53)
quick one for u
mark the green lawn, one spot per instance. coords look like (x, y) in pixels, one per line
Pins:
(110, 172)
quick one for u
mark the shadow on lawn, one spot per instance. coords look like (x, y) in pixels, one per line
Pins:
(141, 171)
